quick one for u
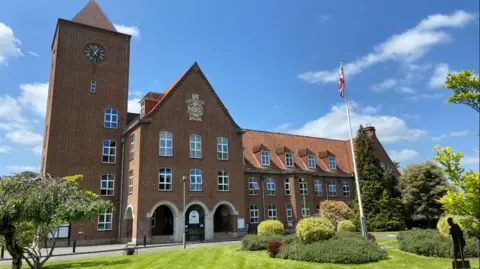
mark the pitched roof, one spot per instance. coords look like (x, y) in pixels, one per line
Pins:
(93, 15)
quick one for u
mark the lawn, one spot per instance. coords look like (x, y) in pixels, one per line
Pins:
(222, 257)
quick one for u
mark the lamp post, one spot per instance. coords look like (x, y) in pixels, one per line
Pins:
(184, 178)
(303, 192)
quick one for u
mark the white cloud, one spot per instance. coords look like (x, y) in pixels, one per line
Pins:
(440, 137)
(460, 133)
(384, 85)
(33, 53)
(134, 105)
(407, 46)
(403, 155)
(389, 129)
(439, 75)
(451, 134)
(324, 18)
(37, 150)
(25, 137)
(21, 168)
(424, 96)
(404, 89)
(469, 160)
(35, 95)
(10, 109)
(129, 30)
(410, 116)
(5, 149)
(8, 44)
(282, 127)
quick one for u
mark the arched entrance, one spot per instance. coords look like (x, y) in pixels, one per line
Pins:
(129, 218)
(223, 219)
(162, 221)
(195, 223)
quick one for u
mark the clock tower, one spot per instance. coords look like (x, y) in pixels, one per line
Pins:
(86, 112)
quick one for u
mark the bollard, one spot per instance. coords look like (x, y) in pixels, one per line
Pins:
(144, 240)
(2, 252)
(74, 245)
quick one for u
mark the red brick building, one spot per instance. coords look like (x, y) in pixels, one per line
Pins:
(233, 177)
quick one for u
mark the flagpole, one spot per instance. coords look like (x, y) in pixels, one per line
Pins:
(363, 223)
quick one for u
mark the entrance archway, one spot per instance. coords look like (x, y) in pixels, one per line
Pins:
(223, 219)
(162, 221)
(195, 223)
(129, 218)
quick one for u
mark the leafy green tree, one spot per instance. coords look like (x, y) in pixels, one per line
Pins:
(396, 164)
(381, 204)
(32, 208)
(466, 89)
(422, 185)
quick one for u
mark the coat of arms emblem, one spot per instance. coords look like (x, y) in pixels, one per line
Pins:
(195, 108)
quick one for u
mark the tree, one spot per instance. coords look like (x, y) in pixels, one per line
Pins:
(464, 200)
(31, 209)
(422, 185)
(466, 89)
(396, 164)
(335, 211)
(382, 206)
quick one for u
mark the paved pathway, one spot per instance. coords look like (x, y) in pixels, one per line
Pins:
(65, 253)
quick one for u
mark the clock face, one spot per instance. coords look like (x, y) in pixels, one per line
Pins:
(94, 52)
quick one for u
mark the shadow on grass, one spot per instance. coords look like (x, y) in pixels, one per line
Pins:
(98, 264)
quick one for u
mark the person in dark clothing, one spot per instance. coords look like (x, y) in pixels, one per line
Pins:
(458, 239)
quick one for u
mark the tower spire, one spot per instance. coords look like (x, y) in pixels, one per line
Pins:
(91, 14)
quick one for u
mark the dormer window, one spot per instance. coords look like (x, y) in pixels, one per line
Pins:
(93, 86)
(312, 164)
(265, 157)
(332, 164)
(289, 159)
(142, 109)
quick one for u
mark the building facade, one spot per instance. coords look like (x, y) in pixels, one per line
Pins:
(182, 163)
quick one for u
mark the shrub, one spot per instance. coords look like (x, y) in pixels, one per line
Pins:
(273, 247)
(314, 229)
(345, 226)
(432, 243)
(290, 239)
(336, 250)
(254, 242)
(270, 227)
(335, 211)
(470, 228)
(353, 235)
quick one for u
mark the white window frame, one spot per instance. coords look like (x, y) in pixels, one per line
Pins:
(305, 211)
(289, 213)
(346, 188)
(142, 109)
(223, 180)
(318, 187)
(130, 181)
(196, 180)
(332, 163)
(154, 218)
(111, 151)
(265, 157)
(289, 159)
(303, 187)
(253, 186)
(271, 188)
(165, 177)
(93, 86)
(222, 148)
(109, 189)
(195, 146)
(167, 149)
(332, 188)
(254, 214)
(286, 186)
(312, 162)
(103, 219)
(272, 212)
(132, 146)
(112, 122)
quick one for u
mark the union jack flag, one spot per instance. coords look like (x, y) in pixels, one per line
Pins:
(341, 81)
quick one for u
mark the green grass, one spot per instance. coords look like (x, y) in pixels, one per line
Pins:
(221, 257)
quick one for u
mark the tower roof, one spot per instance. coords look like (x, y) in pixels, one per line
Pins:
(93, 15)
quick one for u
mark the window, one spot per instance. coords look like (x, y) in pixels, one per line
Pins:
(132, 146)
(109, 148)
(165, 179)
(107, 185)
(270, 186)
(93, 86)
(252, 186)
(346, 189)
(195, 146)
(265, 157)
(130, 181)
(312, 164)
(303, 187)
(305, 211)
(289, 159)
(254, 214)
(286, 184)
(332, 188)
(332, 165)
(272, 212)
(195, 180)
(166, 143)
(222, 148)
(153, 220)
(317, 184)
(382, 165)
(111, 118)
(223, 181)
(104, 221)
(289, 213)
(142, 109)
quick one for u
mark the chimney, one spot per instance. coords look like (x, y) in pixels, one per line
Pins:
(370, 130)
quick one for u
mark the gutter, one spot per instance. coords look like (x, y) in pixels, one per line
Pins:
(120, 208)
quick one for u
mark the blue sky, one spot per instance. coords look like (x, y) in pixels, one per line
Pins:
(273, 63)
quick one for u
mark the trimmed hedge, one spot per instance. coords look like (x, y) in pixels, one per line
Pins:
(432, 243)
(345, 226)
(469, 227)
(314, 229)
(290, 239)
(267, 227)
(254, 242)
(347, 250)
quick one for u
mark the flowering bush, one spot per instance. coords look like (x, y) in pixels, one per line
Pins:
(345, 226)
(254, 242)
(273, 247)
(314, 229)
(270, 227)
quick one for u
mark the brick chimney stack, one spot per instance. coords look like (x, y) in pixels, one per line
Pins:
(370, 130)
